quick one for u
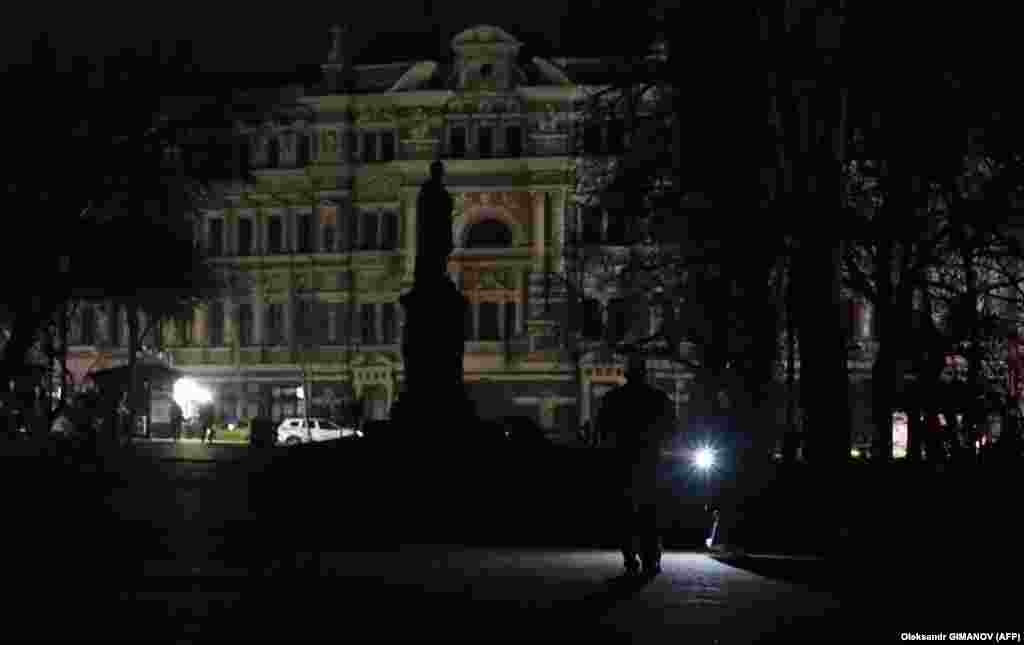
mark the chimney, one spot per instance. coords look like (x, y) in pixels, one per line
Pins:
(338, 65)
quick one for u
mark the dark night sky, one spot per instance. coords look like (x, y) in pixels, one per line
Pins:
(277, 37)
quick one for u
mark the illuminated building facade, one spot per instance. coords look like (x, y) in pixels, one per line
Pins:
(320, 247)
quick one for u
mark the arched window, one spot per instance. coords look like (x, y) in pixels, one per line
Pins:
(489, 233)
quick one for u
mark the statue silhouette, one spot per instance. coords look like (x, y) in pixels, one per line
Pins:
(433, 226)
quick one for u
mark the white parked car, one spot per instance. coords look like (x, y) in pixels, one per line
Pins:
(295, 431)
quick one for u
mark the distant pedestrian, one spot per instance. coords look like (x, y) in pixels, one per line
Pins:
(714, 536)
(639, 419)
(206, 423)
(583, 434)
(177, 418)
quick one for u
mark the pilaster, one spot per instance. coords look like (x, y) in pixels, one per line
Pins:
(537, 229)
(409, 233)
(558, 202)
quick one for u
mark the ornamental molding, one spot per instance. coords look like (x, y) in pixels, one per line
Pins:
(485, 103)
(377, 187)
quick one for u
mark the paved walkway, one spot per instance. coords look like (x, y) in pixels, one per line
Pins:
(450, 591)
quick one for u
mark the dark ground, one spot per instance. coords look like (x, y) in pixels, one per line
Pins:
(222, 518)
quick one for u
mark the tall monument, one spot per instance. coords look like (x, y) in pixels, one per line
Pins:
(433, 341)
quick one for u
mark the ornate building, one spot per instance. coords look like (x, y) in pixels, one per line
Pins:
(322, 245)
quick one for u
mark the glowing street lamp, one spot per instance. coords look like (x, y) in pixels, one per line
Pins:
(704, 459)
(188, 394)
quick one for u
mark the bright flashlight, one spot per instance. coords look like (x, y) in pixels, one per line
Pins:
(705, 458)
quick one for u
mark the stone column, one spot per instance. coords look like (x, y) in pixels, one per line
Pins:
(475, 308)
(585, 397)
(537, 205)
(258, 310)
(409, 234)
(558, 228)
(289, 316)
(316, 230)
(378, 321)
(199, 336)
(291, 227)
(260, 232)
(501, 320)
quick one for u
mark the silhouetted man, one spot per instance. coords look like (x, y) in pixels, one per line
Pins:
(638, 419)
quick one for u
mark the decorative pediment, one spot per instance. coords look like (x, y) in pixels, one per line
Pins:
(418, 76)
(485, 58)
(551, 73)
(483, 35)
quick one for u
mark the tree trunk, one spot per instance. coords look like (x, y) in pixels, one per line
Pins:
(133, 348)
(883, 379)
(64, 353)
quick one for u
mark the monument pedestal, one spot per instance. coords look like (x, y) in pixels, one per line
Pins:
(433, 403)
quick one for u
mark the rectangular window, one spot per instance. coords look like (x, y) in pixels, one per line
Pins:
(342, 324)
(368, 231)
(388, 326)
(368, 323)
(593, 225)
(369, 147)
(616, 136)
(458, 144)
(514, 141)
(273, 153)
(618, 229)
(275, 235)
(345, 239)
(215, 323)
(245, 324)
(245, 236)
(467, 322)
(88, 332)
(618, 320)
(485, 140)
(115, 326)
(306, 233)
(389, 231)
(328, 228)
(510, 320)
(304, 146)
(275, 324)
(185, 327)
(489, 321)
(592, 139)
(323, 323)
(387, 144)
(305, 322)
(328, 241)
(216, 242)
